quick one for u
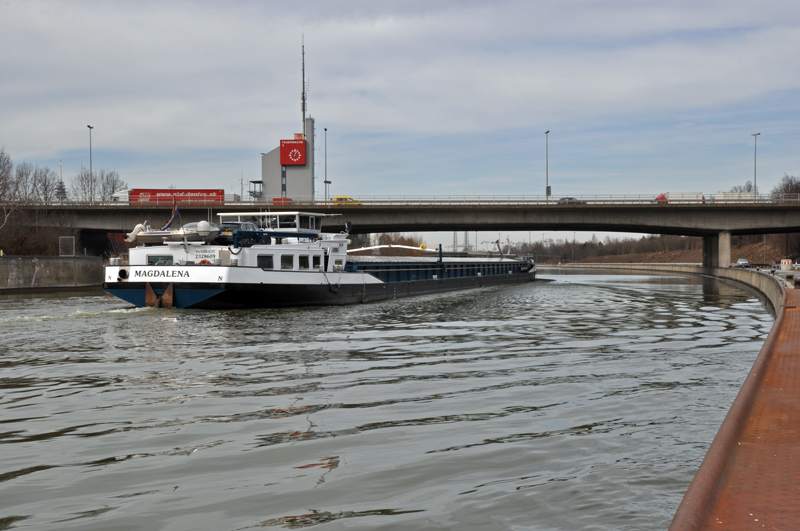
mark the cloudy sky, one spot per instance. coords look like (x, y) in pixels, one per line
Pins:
(419, 97)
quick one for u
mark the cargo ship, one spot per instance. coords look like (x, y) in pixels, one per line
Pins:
(288, 261)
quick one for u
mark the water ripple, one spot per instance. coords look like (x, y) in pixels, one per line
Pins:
(586, 402)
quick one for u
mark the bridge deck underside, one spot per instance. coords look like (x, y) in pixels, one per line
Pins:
(687, 220)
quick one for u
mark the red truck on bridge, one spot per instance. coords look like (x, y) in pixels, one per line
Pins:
(168, 196)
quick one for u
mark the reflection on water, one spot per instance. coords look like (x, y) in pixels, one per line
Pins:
(583, 403)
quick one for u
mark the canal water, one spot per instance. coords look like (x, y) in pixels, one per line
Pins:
(584, 402)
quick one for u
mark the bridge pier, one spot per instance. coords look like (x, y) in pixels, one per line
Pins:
(717, 250)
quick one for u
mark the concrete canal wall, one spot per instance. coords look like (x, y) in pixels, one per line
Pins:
(37, 272)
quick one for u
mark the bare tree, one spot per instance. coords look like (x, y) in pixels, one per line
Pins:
(23, 175)
(8, 187)
(6, 176)
(25, 182)
(747, 187)
(110, 183)
(101, 185)
(81, 185)
(788, 186)
(22, 230)
(44, 184)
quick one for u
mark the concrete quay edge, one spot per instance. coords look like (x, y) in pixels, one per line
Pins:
(18, 273)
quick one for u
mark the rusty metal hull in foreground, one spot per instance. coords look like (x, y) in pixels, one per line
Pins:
(750, 477)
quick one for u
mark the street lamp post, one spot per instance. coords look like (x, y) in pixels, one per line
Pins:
(755, 182)
(573, 246)
(326, 181)
(546, 167)
(91, 175)
(755, 153)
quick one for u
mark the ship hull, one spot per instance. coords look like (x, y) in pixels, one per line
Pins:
(290, 262)
(281, 295)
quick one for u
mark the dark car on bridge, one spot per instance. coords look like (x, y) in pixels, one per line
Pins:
(570, 201)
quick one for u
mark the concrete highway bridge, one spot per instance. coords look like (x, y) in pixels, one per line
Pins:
(715, 222)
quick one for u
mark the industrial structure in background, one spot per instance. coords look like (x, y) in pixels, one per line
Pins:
(287, 172)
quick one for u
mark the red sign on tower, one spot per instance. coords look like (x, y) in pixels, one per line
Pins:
(293, 152)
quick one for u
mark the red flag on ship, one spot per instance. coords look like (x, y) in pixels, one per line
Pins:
(174, 213)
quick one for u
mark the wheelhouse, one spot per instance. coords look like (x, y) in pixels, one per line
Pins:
(300, 222)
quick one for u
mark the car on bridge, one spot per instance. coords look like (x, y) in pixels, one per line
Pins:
(570, 201)
(680, 198)
(345, 200)
(742, 262)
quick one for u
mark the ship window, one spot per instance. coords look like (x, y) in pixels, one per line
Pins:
(287, 222)
(287, 261)
(303, 261)
(159, 259)
(316, 261)
(338, 264)
(305, 222)
(265, 261)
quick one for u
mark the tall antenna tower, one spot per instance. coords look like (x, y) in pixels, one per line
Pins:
(303, 94)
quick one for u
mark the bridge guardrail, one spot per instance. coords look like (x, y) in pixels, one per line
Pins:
(421, 200)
